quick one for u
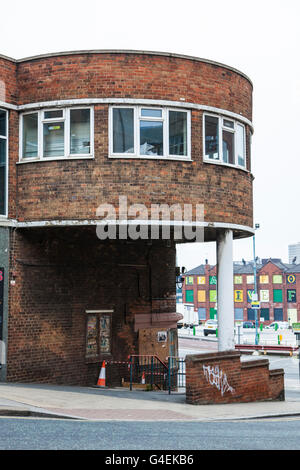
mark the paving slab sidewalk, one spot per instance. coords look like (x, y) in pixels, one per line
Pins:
(120, 404)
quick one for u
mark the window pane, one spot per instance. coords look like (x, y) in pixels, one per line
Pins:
(228, 123)
(151, 138)
(212, 295)
(278, 314)
(212, 137)
(2, 176)
(58, 113)
(201, 295)
(228, 147)
(54, 134)
(2, 122)
(265, 313)
(177, 133)
(30, 135)
(151, 113)
(201, 313)
(123, 132)
(277, 295)
(80, 131)
(250, 314)
(240, 142)
(238, 314)
(189, 295)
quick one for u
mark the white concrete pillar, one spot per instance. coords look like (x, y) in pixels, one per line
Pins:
(225, 290)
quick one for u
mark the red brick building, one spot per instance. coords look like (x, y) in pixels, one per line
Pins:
(278, 288)
(77, 131)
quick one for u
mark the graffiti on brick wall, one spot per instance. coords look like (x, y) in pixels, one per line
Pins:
(217, 378)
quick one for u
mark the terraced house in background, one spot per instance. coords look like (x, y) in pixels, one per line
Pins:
(278, 288)
(79, 130)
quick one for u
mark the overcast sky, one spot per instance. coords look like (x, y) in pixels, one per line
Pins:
(260, 38)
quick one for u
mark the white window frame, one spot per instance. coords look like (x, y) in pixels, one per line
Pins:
(6, 138)
(66, 113)
(137, 118)
(233, 130)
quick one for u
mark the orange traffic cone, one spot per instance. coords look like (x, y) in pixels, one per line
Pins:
(101, 379)
(143, 378)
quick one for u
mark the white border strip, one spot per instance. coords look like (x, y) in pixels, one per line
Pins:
(133, 101)
(172, 223)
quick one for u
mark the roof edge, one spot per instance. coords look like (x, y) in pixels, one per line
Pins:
(129, 51)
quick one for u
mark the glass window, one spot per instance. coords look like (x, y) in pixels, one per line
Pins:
(277, 279)
(30, 135)
(54, 139)
(213, 280)
(57, 113)
(212, 137)
(201, 296)
(151, 138)
(291, 295)
(264, 279)
(238, 314)
(265, 314)
(80, 131)
(250, 279)
(238, 296)
(147, 112)
(123, 130)
(277, 295)
(189, 295)
(149, 132)
(201, 279)
(224, 140)
(3, 160)
(227, 123)
(189, 280)
(250, 314)
(2, 123)
(240, 145)
(212, 295)
(213, 314)
(238, 279)
(177, 133)
(228, 147)
(278, 314)
(250, 293)
(264, 295)
(57, 133)
(3, 150)
(201, 313)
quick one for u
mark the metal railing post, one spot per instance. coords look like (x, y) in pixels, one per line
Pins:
(130, 373)
(151, 373)
(169, 375)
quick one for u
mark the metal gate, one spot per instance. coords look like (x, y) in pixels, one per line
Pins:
(176, 374)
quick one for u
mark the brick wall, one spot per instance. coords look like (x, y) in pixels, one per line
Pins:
(61, 273)
(225, 192)
(8, 81)
(222, 378)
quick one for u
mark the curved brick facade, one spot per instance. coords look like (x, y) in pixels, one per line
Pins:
(60, 280)
(52, 190)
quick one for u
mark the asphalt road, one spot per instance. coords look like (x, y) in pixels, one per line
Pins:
(46, 434)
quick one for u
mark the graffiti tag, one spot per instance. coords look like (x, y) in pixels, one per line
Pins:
(217, 378)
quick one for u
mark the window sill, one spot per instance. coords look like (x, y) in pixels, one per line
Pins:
(57, 159)
(216, 162)
(151, 157)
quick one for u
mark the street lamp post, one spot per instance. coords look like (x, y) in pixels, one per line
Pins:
(255, 286)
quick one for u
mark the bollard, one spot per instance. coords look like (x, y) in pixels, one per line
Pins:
(279, 337)
(194, 330)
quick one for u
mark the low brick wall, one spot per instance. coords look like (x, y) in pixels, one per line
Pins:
(223, 378)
